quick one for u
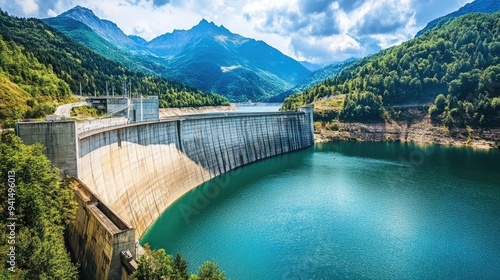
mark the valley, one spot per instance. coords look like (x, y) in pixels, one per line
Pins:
(180, 143)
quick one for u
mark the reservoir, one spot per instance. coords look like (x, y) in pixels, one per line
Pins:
(345, 210)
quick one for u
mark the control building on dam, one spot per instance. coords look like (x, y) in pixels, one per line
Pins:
(126, 175)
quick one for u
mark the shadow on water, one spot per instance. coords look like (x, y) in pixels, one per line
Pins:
(199, 202)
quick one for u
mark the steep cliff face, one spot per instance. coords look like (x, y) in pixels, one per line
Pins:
(140, 170)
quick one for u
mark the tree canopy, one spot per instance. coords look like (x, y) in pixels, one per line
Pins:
(157, 265)
(42, 206)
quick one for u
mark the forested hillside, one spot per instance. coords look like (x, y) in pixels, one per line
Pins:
(455, 67)
(43, 207)
(69, 64)
(476, 6)
(27, 87)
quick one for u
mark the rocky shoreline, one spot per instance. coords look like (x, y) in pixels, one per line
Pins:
(421, 131)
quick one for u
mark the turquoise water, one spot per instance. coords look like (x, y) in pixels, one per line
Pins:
(345, 210)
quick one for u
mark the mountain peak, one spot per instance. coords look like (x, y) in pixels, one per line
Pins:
(104, 28)
(78, 7)
(204, 24)
(79, 10)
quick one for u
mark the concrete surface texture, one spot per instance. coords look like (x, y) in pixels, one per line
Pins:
(134, 109)
(98, 237)
(139, 170)
(60, 140)
(89, 125)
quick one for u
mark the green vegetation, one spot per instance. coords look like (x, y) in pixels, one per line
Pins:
(43, 208)
(208, 271)
(294, 101)
(44, 62)
(84, 111)
(156, 264)
(480, 6)
(316, 77)
(329, 109)
(459, 60)
(28, 89)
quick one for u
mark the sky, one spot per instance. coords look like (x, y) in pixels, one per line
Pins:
(317, 31)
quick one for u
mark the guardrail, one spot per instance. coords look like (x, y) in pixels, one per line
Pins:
(91, 125)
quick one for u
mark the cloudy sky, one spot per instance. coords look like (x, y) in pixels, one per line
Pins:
(319, 31)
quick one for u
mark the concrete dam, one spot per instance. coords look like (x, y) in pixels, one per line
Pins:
(135, 171)
(139, 170)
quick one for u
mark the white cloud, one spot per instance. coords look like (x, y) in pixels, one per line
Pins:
(24, 8)
(321, 49)
(320, 31)
(326, 31)
(29, 6)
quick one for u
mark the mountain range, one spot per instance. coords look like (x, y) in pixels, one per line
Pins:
(40, 67)
(211, 57)
(207, 56)
(86, 36)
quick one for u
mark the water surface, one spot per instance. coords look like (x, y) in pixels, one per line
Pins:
(258, 108)
(345, 210)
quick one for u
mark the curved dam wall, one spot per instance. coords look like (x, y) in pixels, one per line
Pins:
(139, 170)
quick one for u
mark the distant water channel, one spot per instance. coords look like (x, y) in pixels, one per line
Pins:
(258, 108)
(345, 210)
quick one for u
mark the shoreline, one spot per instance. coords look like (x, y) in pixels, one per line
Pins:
(421, 131)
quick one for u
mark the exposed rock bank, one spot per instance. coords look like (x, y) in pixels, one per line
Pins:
(420, 131)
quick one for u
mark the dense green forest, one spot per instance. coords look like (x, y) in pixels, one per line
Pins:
(31, 193)
(64, 64)
(454, 66)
